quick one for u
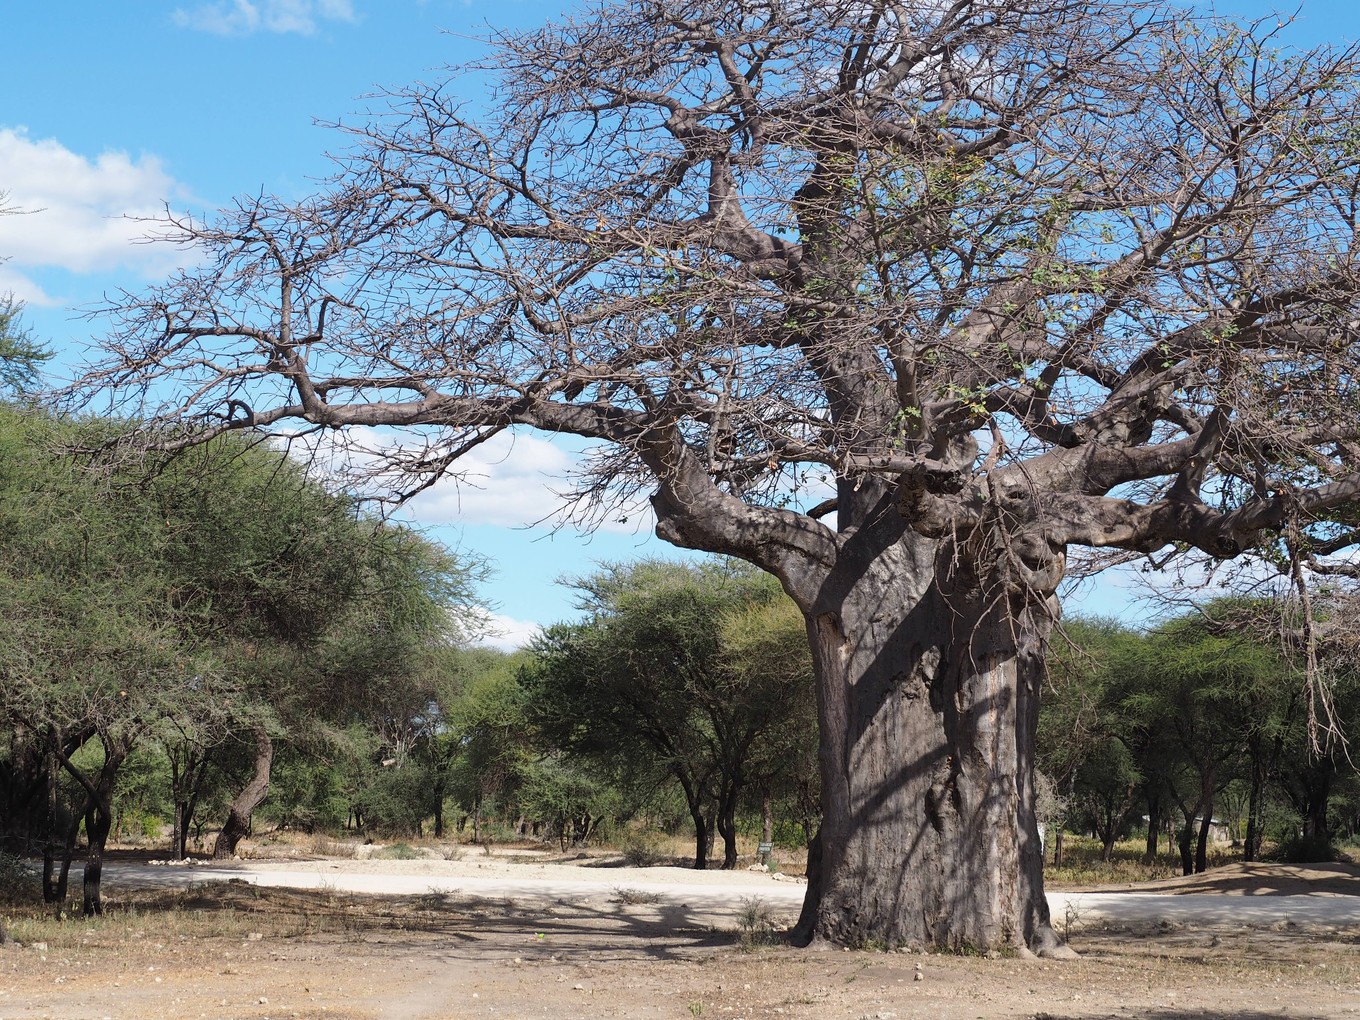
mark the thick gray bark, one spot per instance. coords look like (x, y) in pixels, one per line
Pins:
(928, 691)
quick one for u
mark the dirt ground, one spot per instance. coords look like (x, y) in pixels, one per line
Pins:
(229, 950)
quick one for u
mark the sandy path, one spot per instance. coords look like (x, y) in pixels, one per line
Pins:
(709, 897)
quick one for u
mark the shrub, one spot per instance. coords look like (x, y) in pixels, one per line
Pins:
(1297, 849)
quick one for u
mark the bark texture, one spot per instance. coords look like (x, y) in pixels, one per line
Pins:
(243, 805)
(928, 697)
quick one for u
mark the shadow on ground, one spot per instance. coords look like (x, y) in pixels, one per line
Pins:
(620, 925)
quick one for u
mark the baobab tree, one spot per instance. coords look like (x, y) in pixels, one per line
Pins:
(899, 301)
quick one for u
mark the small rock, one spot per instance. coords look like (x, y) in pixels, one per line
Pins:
(39, 946)
(255, 936)
(919, 976)
(263, 1000)
(578, 987)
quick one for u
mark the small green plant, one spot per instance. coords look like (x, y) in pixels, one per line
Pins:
(756, 925)
(696, 1007)
(1071, 917)
(642, 849)
(635, 896)
(400, 852)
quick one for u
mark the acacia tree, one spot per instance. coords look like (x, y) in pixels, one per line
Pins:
(90, 658)
(644, 679)
(1012, 276)
(768, 670)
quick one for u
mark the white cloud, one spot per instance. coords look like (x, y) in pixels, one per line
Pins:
(246, 17)
(507, 633)
(22, 288)
(78, 213)
(516, 480)
(513, 480)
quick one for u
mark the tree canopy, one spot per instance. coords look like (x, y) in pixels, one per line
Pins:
(223, 595)
(662, 679)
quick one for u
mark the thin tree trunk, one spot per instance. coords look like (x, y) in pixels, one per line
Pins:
(1318, 788)
(727, 825)
(186, 786)
(766, 824)
(1206, 823)
(694, 802)
(1154, 821)
(98, 812)
(1209, 783)
(237, 825)
(98, 821)
(1186, 839)
(1251, 846)
(55, 889)
(701, 839)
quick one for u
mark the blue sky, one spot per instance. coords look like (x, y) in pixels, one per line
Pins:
(112, 109)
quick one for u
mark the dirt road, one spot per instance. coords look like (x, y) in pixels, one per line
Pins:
(715, 897)
(472, 939)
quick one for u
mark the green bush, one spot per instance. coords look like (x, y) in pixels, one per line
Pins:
(1297, 849)
(642, 848)
(400, 852)
(18, 882)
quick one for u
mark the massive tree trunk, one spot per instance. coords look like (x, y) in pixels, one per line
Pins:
(928, 687)
(237, 825)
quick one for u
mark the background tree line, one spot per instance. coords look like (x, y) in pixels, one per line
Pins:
(196, 643)
(191, 617)
(185, 636)
(1205, 718)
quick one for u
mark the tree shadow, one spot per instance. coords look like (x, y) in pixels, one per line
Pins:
(592, 928)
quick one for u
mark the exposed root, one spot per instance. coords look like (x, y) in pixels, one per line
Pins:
(1049, 946)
